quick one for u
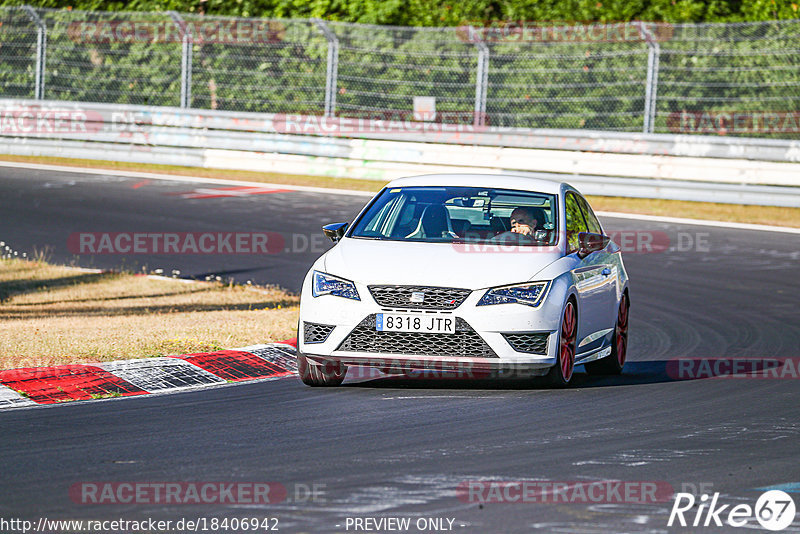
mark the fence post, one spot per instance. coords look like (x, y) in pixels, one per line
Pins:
(41, 51)
(481, 82)
(651, 84)
(186, 58)
(332, 72)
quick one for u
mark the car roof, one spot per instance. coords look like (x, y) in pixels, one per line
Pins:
(504, 181)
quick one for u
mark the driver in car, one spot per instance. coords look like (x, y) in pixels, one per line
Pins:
(524, 221)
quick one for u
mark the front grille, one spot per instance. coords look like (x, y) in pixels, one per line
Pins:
(530, 343)
(436, 298)
(315, 332)
(464, 343)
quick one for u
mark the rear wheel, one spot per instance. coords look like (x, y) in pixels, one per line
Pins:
(329, 373)
(613, 363)
(561, 373)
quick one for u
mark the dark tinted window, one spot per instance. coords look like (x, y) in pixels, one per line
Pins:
(459, 214)
(575, 222)
(591, 221)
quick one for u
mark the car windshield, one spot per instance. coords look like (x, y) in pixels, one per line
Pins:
(460, 214)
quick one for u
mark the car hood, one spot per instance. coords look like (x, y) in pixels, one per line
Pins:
(467, 266)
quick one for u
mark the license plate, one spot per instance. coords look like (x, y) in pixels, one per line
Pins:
(407, 322)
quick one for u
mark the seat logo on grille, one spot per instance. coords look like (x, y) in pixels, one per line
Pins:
(417, 297)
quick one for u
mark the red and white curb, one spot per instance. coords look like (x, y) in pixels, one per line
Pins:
(124, 378)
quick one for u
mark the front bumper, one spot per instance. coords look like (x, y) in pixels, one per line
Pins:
(489, 324)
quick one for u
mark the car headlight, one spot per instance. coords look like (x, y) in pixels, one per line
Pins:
(529, 294)
(326, 284)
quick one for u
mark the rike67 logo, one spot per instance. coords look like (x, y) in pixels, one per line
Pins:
(774, 510)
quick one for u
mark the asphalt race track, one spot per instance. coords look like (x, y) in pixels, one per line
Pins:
(42, 209)
(392, 447)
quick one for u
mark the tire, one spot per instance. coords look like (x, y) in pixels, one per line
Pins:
(324, 375)
(614, 362)
(561, 373)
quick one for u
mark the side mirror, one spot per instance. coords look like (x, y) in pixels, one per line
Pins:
(591, 243)
(334, 231)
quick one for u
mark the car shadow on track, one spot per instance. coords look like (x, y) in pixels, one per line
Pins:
(635, 373)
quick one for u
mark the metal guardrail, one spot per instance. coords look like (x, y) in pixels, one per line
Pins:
(747, 171)
(131, 118)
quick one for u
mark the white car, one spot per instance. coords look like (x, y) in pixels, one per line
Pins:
(440, 274)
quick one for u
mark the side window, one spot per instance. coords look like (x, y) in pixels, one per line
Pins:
(591, 221)
(575, 222)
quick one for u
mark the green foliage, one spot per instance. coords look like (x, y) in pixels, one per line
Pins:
(17, 55)
(454, 12)
(533, 83)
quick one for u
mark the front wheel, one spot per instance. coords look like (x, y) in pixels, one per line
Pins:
(613, 363)
(329, 373)
(561, 373)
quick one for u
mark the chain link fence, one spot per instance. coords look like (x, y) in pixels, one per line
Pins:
(381, 69)
(18, 53)
(749, 69)
(731, 79)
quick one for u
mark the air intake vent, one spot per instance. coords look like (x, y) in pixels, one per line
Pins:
(419, 297)
(529, 343)
(315, 332)
(464, 343)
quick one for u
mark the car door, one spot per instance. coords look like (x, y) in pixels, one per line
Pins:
(608, 259)
(592, 276)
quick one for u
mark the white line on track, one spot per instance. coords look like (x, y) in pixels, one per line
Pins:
(179, 178)
(219, 181)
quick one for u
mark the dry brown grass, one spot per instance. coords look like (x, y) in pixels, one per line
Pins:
(53, 315)
(673, 208)
(771, 215)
